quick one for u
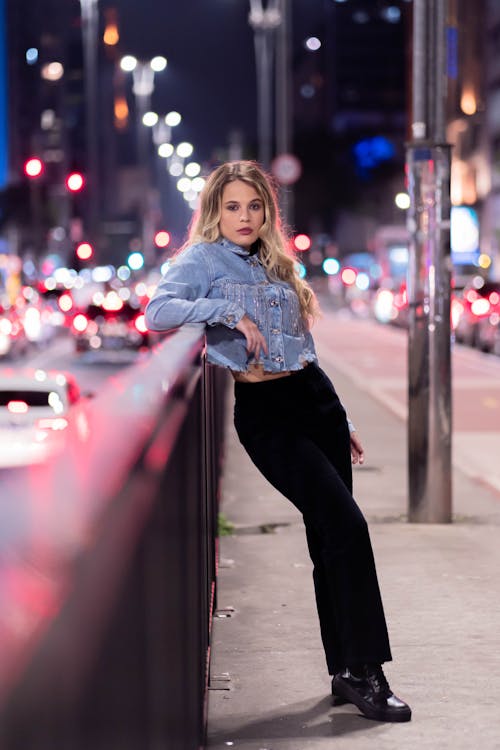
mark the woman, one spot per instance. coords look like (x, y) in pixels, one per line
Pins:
(236, 276)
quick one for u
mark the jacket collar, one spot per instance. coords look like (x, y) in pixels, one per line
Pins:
(233, 247)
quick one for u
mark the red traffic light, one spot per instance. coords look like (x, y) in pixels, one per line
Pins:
(162, 238)
(33, 167)
(302, 242)
(84, 251)
(75, 182)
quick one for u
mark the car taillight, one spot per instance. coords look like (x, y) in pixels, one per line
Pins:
(140, 323)
(17, 407)
(80, 322)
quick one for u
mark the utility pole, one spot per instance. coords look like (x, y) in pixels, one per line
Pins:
(429, 273)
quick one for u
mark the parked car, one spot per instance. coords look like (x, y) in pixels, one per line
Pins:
(113, 324)
(34, 410)
(478, 303)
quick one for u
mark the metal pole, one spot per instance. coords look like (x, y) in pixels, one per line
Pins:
(90, 33)
(284, 102)
(264, 23)
(429, 272)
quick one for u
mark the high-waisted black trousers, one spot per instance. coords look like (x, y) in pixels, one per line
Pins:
(295, 431)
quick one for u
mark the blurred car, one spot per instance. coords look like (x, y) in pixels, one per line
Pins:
(114, 324)
(34, 409)
(488, 333)
(477, 304)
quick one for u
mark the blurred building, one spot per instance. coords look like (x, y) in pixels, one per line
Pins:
(474, 121)
(350, 109)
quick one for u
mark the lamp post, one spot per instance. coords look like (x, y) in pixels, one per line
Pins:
(264, 22)
(89, 10)
(143, 73)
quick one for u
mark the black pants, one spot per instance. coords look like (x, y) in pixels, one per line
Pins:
(295, 431)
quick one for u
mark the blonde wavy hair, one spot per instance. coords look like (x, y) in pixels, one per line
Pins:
(274, 251)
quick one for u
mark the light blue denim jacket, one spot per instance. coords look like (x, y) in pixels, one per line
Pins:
(217, 283)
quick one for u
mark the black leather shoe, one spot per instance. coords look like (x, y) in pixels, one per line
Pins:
(370, 692)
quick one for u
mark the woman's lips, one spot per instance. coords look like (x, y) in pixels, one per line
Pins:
(245, 230)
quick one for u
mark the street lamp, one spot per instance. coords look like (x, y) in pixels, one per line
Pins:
(143, 77)
(90, 30)
(264, 22)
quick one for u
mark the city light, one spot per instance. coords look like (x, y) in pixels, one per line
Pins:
(173, 119)
(184, 149)
(111, 36)
(192, 169)
(302, 242)
(162, 238)
(165, 150)
(331, 266)
(33, 167)
(149, 119)
(348, 276)
(84, 251)
(198, 184)
(32, 55)
(158, 63)
(128, 63)
(402, 201)
(176, 169)
(75, 182)
(135, 261)
(184, 184)
(53, 71)
(313, 43)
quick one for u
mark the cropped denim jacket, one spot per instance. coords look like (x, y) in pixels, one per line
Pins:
(217, 283)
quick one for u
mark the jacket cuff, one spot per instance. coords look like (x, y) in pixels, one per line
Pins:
(231, 316)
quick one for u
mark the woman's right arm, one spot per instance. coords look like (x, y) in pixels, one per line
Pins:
(181, 297)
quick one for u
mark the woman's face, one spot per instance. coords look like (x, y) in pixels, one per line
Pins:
(242, 213)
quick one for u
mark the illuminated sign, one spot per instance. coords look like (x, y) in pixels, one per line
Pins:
(464, 235)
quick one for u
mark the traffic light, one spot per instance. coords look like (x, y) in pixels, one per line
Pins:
(33, 167)
(75, 182)
(84, 251)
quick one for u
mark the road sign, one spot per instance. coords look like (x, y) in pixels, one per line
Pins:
(286, 168)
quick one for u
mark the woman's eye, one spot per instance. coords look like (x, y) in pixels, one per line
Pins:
(232, 207)
(255, 206)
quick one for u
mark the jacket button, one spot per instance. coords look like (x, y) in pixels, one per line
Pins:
(278, 359)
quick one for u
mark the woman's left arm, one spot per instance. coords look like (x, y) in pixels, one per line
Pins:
(357, 452)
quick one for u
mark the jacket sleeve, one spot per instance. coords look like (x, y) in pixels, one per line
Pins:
(181, 296)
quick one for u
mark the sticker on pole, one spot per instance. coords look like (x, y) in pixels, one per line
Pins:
(286, 168)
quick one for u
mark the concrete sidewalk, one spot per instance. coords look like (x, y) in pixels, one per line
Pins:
(441, 589)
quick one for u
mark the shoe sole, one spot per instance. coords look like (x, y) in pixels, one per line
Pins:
(346, 694)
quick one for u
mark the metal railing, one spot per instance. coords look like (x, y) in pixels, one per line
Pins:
(107, 566)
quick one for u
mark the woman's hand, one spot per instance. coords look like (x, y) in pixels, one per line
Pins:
(255, 340)
(357, 452)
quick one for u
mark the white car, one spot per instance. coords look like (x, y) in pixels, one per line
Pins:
(34, 408)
